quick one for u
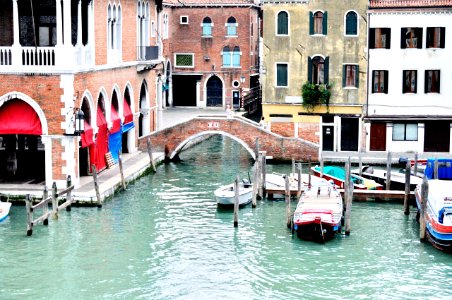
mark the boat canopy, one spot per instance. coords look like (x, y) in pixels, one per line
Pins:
(444, 168)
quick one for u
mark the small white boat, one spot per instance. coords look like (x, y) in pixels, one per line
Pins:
(225, 195)
(4, 210)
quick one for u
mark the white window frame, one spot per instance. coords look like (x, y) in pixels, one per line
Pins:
(232, 24)
(276, 75)
(357, 23)
(165, 26)
(288, 23)
(202, 28)
(182, 22)
(182, 53)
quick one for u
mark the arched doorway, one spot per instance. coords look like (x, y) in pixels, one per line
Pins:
(143, 121)
(115, 133)
(20, 143)
(86, 140)
(214, 92)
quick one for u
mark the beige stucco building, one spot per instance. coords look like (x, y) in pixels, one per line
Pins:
(324, 43)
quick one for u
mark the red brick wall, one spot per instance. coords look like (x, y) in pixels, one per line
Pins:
(286, 129)
(57, 162)
(307, 131)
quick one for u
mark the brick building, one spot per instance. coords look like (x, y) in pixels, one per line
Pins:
(211, 51)
(62, 57)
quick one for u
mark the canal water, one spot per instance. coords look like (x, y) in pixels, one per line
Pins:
(165, 238)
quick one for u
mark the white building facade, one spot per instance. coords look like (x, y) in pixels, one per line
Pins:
(409, 107)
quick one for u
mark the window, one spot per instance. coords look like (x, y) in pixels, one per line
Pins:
(184, 60)
(184, 20)
(350, 77)
(436, 37)
(318, 70)
(165, 26)
(281, 75)
(207, 27)
(380, 38)
(318, 22)
(409, 81)
(351, 23)
(411, 38)
(380, 82)
(231, 27)
(283, 23)
(404, 132)
(432, 81)
(231, 59)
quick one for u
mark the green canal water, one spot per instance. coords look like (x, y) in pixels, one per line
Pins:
(165, 238)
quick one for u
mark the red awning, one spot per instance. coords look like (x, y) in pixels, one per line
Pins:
(18, 117)
(115, 120)
(87, 135)
(128, 115)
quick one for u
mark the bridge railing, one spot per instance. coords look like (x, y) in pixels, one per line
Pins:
(252, 101)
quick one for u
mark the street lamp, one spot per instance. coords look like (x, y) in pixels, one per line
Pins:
(79, 122)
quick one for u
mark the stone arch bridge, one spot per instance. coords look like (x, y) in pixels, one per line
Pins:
(173, 139)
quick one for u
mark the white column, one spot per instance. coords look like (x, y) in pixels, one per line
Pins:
(79, 23)
(90, 45)
(59, 23)
(16, 23)
(170, 91)
(198, 93)
(421, 137)
(159, 103)
(367, 129)
(67, 23)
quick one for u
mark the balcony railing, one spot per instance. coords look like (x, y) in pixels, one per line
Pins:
(38, 56)
(5, 56)
(409, 3)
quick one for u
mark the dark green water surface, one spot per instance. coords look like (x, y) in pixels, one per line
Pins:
(165, 238)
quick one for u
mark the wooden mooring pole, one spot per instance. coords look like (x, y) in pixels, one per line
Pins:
(321, 166)
(360, 162)
(309, 171)
(236, 201)
(54, 201)
(257, 147)
(287, 198)
(388, 171)
(264, 172)
(293, 167)
(121, 171)
(148, 141)
(406, 206)
(69, 192)
(29, 210)
(435, 169)
(300, 181)
(96, 186)
(415, 164)
(45, 194)
(255, 184)
(260, 183)
(424, 198)
(348, 194)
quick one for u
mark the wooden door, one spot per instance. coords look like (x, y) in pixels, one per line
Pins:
(378, 137)
(328, 138)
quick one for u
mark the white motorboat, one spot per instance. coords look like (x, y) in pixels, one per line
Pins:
(225, 195)
(4, 210)
(397, 178)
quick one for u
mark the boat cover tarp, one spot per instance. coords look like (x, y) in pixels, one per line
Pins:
(444, 168)
(115, 145)
(18, 117)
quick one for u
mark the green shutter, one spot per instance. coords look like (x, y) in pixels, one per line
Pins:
(386, 77)
(357, 76)
(344, 75)
(403, 32)
(311, 23)
(419, 38)
(372, 38)
(325, 23)
(309, 69)
(442, 37)
(326, 69)
(388, 38)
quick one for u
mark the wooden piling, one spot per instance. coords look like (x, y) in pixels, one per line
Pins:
(29, 215)
(424, 198)
(264, 172)
(321, 166)
(255, 183)
(435, 169)
(54, 201)
(45, 194)
(388, 171)
(148, 142)
(257, 147)
(236, 201)
(406, 205)
(360, 163)
(287, 199)
(69, 192)
(348, 195)
(309, 171)
(300, 181)
(293, 166)
(121, 171)
(260, 183)
(415, 164)
(96, 186)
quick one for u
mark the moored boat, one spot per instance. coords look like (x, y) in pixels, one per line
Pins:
(397, 178)
(225, 195)
(4, 210)
(319, 212)
(337, 175)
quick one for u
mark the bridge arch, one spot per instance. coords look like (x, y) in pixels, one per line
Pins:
(179, 148)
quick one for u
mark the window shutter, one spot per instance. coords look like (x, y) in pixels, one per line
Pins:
(325, 23)
(309, 69)
(386, 75)
(357, 76)
(403, 32)
(404, 87)
(373, 82)
(415, 82)
(372, 38)
(439, 82)
(442, 37)
(311, 23)
(388, 39)
(419, 38)
(425, 82)
(344, 75)
(326, 70)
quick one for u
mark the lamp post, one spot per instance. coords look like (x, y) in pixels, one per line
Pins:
(79, 122)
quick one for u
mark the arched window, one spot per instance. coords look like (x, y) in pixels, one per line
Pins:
(231, 26)
(283, 23)
(318, 70)
(207, 27)
(351, 23)
(236, 56)
(226, 56)
(318, 22)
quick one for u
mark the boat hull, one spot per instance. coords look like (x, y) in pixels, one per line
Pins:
(318, 232)
(4, 210)
(225, 195)
(340, 181)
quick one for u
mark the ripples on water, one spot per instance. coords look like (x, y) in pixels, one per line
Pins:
(165, 239)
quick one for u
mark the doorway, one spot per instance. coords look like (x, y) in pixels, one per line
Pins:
(328, 138)
(214, 92)
(377, 137)
(437, 136)
(349, 134)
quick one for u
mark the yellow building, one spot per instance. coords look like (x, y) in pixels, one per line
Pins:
(323, 43)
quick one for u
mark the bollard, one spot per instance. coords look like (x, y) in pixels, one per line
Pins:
(96, 186)
(29, 215)
(236, 201)
(388, 171)
(46, 206)
(121, 171)
(406, 198)
(69, 193)
(54, 201)
(148, 141)
(424, 198)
